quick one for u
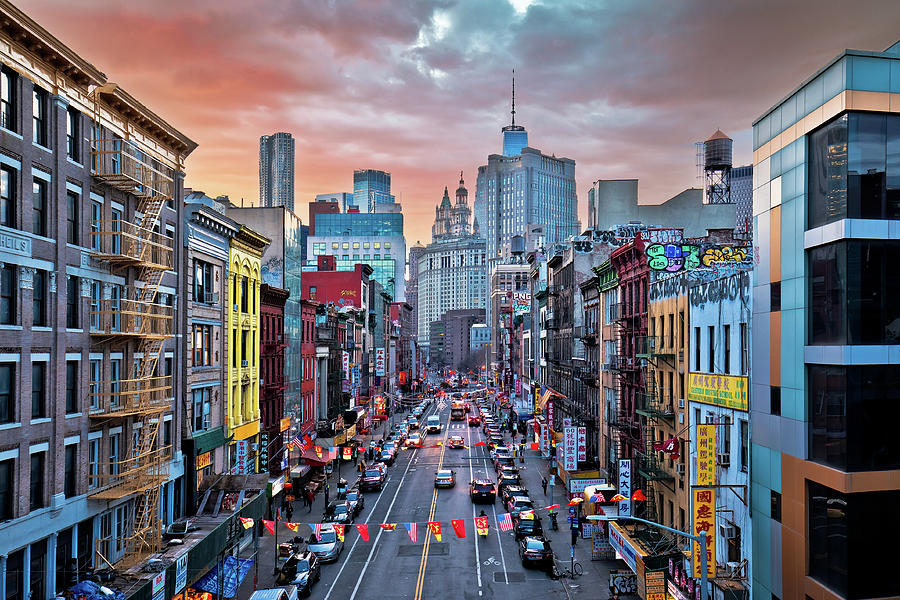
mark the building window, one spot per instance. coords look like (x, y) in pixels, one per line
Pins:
(115, 376)
(72, 128)
(38, 390)
(95, 305)
(93, 463)
(114, 448)
(201, 408)
(775, 296)
(745, 348)
(203, 282)
(70, 486)
(39, 207)
(7, 196)
(244, 295)
(96, 217)
(726, 347)
(696, 348)
(39, 116)
(72, 205)
(36, 497)
(7, 489)
(8, 292)
(72, 302)
(8, 79)
(745, 445)
(38, 302)
(94, 384)
(711, 334)
(775, 400)
(202, 345)
(116, 229)
(72, 386)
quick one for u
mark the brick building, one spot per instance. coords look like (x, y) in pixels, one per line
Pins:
(272, 377)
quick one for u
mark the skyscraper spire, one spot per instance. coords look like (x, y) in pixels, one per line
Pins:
(513, 97)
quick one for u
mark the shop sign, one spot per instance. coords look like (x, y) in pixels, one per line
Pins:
(675, 592)
(345, 363)
(581, 442)
(623, 547)
(622, 581)
(263, 452)
(569, 449)
(706, 455)
(240, 460)
(159, 586)
(545, 439)
(577, 486)
(550, 413)
(204, 460)
(347, 453)
(705, 520)
(379, 362)
(181, 572)
(285, 424)
(345, 386)
(601, 549)
(277, 485)
(567, 422)
(727, 391)
(625, 487)
(655, 584)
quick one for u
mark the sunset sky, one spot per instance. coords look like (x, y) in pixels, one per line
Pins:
(420, 88)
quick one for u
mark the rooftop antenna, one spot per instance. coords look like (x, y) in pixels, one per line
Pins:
(513, 97)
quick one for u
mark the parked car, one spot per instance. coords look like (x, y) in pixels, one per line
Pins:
(327, 546)
(529, 526)
(535, 552)
(372, 479)
(445, 478)
(510, 490)
(509, 471)
(356, 500)
(483, 490)
(517, 504)
(338, 511)
(388, 456)
(302, 569)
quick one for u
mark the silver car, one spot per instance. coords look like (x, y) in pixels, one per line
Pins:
(327, 547)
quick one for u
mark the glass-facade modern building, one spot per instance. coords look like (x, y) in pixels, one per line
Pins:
(371, 187)
(375, 239)
(276, 170)
(825, 380)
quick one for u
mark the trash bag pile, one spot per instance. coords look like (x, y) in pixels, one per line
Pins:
(88, 590)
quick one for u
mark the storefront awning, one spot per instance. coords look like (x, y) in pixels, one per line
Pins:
(315, 460)
(299, 471)
(234, 571)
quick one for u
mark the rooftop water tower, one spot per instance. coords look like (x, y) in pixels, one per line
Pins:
(717, 167)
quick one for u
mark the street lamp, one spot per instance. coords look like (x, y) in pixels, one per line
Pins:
(700, 539)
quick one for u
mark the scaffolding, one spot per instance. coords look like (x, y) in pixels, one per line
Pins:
(136, 324)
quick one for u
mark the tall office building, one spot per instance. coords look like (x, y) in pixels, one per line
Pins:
(412, 283)
(371, 188)
(346, 200)
(825, 473)
(521, 189)
(276, 170)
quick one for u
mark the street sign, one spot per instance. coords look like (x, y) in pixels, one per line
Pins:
(181, 572)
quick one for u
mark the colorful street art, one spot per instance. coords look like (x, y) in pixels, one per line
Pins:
(673, 257)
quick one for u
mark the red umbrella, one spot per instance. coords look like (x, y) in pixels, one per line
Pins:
(618, 498)
(638, 496)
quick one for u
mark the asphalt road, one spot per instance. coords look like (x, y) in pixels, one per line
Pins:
(391, 566)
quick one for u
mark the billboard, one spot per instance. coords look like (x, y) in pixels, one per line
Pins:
(625, 486)
(727, 391)
(706, 455)
(705, 520)
(570, 449)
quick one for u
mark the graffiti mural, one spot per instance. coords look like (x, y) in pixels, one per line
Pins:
(673, 257)
(660, 235)
(725, 255)
(724, 288)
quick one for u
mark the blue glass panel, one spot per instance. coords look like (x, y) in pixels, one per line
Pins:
(833, 80)
(870, 74)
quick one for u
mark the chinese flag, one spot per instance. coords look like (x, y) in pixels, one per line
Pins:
(269, 525)
(481, 525)
(459, 527)
(479, 444)
(292, 526)
(290, 446)
(247, 523)
(318, 450)
(435, 527)
(363, 532)
(389, 526)
(339, 530)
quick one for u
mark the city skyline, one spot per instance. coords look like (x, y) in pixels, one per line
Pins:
(590, 85)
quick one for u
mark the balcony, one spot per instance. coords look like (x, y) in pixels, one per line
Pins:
(120, 478)
(118, 317)
(652, 405)
(126, 243)
(127, 397)
(123, 165)
(651, 467)
(654, 346)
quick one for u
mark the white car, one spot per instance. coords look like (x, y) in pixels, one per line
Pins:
(414, 439)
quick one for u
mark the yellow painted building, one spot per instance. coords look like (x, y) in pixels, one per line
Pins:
(244, 265)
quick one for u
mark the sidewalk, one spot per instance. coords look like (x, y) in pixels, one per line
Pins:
(595, 581)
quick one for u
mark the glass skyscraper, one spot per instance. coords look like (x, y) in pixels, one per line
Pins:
(371, 187)
(276, 170)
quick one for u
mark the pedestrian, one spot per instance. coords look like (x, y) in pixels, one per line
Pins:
(289, 511)
(325, 490)
(312, 496)
(305, 499)
(544, 484)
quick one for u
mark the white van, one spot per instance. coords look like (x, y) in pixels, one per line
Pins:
(433, 424)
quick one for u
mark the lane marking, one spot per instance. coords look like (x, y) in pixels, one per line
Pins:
(420, 580)
(477, 557)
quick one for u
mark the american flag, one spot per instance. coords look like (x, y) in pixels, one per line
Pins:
(504, 521)
(317, 529)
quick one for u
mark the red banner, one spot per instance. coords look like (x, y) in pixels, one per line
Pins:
(363, 532)
(269, 525)
(481, 525)
(339, 530)
(435, 528)
(459, 527)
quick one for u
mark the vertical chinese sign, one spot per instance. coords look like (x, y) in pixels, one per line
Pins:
(582, 443)
(570, 452)
(706, 455)
(625, 486)
(705, 520)
(345, 363)
(240, 457)
(379, 362)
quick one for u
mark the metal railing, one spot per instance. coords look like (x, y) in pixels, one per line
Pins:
(120, 240)
(119, 316)
(130, 396)
(122, 164)
(120, 478)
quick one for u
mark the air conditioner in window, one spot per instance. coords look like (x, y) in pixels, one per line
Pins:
(212, 297)
(679, 468)
(724, 460)
(729, 532)
(681, 403)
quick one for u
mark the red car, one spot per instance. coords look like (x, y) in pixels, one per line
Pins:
(468, 407)
(474, 420)
(456, 441)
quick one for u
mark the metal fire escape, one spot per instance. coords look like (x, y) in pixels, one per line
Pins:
(135, 323)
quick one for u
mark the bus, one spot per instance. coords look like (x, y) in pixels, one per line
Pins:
(458, 412)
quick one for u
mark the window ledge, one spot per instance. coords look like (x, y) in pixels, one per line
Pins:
(11, 327)
(74, 415)
(42, 329)
(12, 133)
(44, 148)
(71, 161)
(40, 421)
(6, 426)
(74, 330)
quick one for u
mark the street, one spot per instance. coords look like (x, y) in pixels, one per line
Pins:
(390, 565)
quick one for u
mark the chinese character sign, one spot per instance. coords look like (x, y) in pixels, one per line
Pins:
(729, 391)
(581, 442)
(345, 363)
(550, 413)
(625, 487)
(240, 457)
(567, 422)
(379, 362)
(569, 437)
(706, 455)
(545, 439)
(705, 520)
